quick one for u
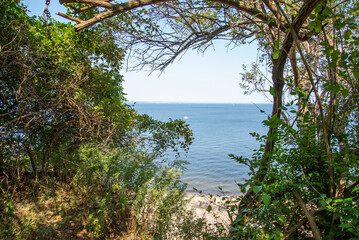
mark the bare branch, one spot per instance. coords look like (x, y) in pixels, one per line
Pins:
(69, 17)
(350, 187)
(116, 9)
(96, 3)
(309, 216)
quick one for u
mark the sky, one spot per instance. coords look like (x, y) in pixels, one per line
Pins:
(212, 77)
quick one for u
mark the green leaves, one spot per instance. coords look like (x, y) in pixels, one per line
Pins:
(315, 25)
(347, 34)
(257, 189)
(272, 91)
(266, 199)
(276, 54)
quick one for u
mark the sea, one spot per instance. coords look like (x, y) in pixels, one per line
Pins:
(218, 130)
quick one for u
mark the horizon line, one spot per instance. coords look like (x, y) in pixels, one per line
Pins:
(158, 102)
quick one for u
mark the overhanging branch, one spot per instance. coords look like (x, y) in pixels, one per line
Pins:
(115, 9)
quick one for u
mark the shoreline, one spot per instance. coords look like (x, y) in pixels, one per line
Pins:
(225, 194)
(213, 208)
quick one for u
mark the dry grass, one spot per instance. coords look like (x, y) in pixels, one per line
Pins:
(59, 212)
(51, 214)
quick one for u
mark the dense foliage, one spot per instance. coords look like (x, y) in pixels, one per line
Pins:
(66, 126)
(60, 89)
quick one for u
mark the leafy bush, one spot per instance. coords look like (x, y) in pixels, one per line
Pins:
(126, 191)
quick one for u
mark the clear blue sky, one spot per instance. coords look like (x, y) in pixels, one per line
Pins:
(211, 77)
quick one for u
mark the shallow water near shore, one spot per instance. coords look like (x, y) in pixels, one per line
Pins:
(219, 130)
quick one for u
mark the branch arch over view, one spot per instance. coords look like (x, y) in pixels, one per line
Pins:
(265, 11)
(260, 13)
(114, 9)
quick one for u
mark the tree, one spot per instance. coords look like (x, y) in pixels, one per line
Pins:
(66, 127)
(61, 90)
(55, 97)
(309, 156)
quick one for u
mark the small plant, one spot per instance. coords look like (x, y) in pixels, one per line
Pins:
(7, 208)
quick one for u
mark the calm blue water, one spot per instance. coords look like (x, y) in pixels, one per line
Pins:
(219, 130)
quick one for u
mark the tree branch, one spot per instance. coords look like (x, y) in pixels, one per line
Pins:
(69, 17)
(278, 84)
(310, 218)
(96, 3)
(116, 9)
